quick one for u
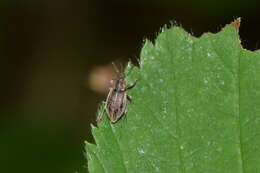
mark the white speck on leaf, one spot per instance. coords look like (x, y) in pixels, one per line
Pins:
(141, 151)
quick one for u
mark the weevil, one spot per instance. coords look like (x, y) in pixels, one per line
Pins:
(117, 98)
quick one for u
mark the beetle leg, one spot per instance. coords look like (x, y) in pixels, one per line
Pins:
(101, 112)
(129, 98)
(131, 85)
(125, 115)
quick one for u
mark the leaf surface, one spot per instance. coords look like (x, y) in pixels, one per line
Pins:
(195, 109)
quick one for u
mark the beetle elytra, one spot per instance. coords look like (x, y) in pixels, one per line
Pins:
(117, 98)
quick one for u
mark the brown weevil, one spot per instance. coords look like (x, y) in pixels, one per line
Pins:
(117, 98)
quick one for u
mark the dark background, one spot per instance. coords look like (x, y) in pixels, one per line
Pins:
(48, 49)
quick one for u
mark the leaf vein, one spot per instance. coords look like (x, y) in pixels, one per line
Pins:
(223, 62)
(239, 117)
(119, 147)
(178, 127)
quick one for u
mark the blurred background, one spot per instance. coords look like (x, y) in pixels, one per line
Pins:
(54, 67)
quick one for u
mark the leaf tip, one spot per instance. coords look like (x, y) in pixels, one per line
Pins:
(236, 24)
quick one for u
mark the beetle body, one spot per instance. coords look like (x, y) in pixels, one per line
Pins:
(117, 99)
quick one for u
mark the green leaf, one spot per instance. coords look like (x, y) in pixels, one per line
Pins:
(194, 109)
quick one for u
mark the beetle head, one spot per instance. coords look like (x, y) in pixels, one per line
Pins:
(120, 84)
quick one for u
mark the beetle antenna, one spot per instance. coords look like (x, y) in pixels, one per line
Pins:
(121, 67)
(115, 67)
